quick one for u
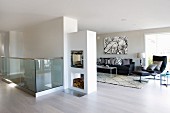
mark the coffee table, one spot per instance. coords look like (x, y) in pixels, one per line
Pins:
(110, 68)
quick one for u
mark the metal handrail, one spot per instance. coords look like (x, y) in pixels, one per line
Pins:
(33, 58)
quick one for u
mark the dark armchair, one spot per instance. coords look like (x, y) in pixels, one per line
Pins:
(162, 68)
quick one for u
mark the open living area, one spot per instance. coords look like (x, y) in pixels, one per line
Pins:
(91, 56)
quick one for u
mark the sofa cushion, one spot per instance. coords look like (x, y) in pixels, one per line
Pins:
(102, 61)
(126, 61)
(118, 61)
(158, 63)
(151, 67)
(107, 61)
(112, 61)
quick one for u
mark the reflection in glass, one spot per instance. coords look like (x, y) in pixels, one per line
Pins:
(49, 74)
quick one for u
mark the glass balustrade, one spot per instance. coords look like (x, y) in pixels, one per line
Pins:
(35, 75)
(49, 73)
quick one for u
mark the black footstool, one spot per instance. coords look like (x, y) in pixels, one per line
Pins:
(141, 73)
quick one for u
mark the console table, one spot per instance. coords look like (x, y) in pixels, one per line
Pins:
(110, 68)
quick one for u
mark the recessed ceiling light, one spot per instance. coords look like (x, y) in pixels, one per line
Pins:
(123, 19)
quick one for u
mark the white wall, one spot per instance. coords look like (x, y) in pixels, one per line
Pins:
(136, 42)
(44, 40)
(16, 44)
(1, 45)
(16, 49)
(4, 43)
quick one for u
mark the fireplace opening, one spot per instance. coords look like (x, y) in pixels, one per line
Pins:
(77, 59)
(78, 80)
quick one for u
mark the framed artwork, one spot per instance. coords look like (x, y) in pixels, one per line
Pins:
(116, 45)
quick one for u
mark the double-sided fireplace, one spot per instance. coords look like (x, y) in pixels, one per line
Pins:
(77, 79)
(77, 59)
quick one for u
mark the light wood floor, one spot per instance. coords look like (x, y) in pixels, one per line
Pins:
(153, 98)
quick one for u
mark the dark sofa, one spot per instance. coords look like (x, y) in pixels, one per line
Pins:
(124, 67)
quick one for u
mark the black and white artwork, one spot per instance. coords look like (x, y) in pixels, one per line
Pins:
(115, 45)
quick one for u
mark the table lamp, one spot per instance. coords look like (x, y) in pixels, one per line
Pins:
(141, 56)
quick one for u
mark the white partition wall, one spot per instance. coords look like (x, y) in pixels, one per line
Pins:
(91, 62)
(70, 25)
(83, 41)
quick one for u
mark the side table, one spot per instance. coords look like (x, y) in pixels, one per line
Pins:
(164, 78)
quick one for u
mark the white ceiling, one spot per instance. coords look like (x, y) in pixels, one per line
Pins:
(102, 16)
